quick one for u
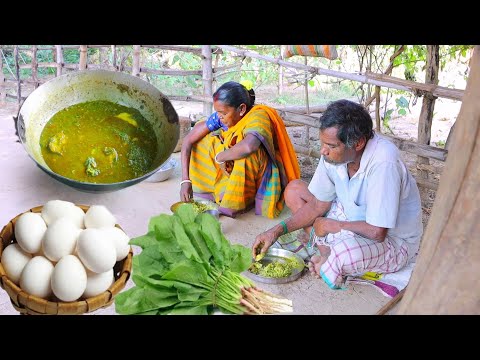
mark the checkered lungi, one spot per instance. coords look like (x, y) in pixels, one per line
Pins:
(353, 255)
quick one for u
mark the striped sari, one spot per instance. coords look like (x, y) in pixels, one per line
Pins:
(257, 180)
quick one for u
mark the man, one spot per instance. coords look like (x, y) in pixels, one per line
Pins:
(362, 201)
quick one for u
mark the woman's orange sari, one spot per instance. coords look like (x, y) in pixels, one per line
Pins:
(257, 180)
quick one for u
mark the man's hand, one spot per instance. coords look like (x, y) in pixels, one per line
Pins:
(186, 192)
(324, 226)
(263, 242)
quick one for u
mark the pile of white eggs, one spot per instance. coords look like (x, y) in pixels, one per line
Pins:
(65, 251)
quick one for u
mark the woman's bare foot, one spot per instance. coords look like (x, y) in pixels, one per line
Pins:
(315, 263)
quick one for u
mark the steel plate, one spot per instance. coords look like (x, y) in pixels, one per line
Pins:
(275, 254)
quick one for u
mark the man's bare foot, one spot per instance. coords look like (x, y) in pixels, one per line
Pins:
(324, 250)
(315, 263)
(303, 237)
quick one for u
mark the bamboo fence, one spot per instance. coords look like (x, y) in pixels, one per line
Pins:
(209, 72)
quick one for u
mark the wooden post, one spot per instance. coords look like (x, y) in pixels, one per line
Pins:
(280, 73)
(3, 90)
(59, 60)
(83, 58)
(34, 67)
(445, 279)
(428, 105)
(114, 57)
(136, 60)
(378, 128)
(207, 77)
(307, 128)
(102, 57)
(17, 71)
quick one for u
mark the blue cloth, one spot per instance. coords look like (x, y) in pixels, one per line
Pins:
(214, 123)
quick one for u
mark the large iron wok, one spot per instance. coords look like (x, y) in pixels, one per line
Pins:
(90, 85)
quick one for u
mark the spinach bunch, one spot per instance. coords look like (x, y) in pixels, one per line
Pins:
(187, 266)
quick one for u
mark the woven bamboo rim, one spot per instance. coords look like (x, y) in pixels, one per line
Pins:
(33, 305)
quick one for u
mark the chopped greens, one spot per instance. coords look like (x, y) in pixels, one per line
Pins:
(275, 269)
(187, 266)
(202, 207)
(91, 166)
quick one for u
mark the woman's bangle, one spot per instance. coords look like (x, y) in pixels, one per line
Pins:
(185, 181)
(285, 230)
(218, 162)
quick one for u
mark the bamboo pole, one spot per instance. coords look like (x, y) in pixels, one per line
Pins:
(102, 56)
(114, 57)
(42, 65)
(34, 67)
(3, 92)
(17, 71)
(196, 51)
(280, 73)
(136, 60)
(207, 77)
(82, 65)
(59, 62)
(388, 71)
(307, 106)
(365, 78)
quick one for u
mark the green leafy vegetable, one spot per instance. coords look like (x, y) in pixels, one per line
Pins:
(91, 166)
(187, 266)
(275, 269)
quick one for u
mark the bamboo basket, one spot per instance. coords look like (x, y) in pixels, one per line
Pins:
(33, 305)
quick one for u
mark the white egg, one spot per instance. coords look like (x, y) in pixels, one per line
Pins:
(14, 259)
(69, 278)
(36, 275)
(98, 216)
(96, 251)
(98, 283)
(119, 239)
(55, 209)
(60, 239)
(77, 215)
(29, 230)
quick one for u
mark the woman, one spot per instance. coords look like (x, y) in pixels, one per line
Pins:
(240, 157)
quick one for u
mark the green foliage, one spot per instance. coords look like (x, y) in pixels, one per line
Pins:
(187, 266)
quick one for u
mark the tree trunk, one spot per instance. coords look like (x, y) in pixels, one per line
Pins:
(445, 279)
(428, 106)
(207, 77)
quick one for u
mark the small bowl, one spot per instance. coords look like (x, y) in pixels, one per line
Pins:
(215, 212)
(164, 172)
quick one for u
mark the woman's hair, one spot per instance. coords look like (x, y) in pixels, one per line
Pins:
(234, 94)
(351, 119)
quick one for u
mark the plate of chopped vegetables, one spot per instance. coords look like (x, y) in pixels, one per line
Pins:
(199, 206)
(278, 266)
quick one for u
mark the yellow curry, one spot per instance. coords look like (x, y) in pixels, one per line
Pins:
(99, 142)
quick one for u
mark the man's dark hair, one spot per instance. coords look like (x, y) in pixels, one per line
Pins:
(351, 119)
